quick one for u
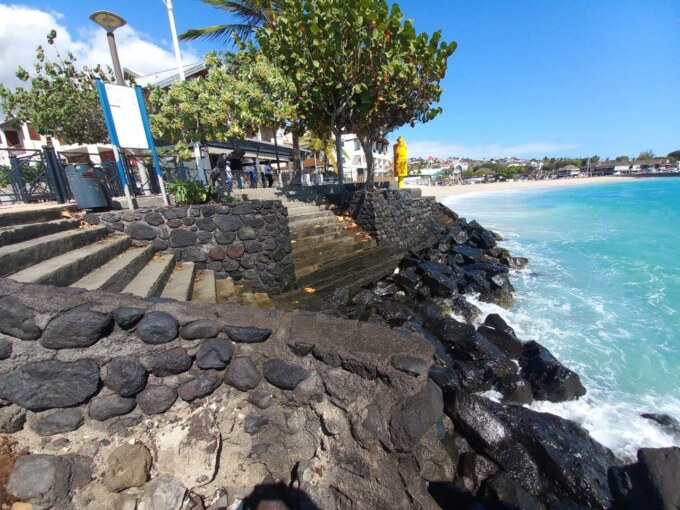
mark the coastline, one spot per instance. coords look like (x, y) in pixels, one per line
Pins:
(440, 192)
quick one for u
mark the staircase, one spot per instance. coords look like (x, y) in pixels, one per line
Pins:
(55, 247)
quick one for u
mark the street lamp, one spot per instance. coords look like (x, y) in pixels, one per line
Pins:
(110, 22)
(175, 42)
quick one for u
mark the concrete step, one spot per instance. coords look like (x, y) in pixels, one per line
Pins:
(229, 292)
(315, 228)
(204, 287)
(354, 263)
(118, 272)
(318, 216)
(20, 233)
(153, 277)
(37, 214)
(66, 268)
(181, 283)
(306, 248)
(297, 206)
(15, 257)
(330, 253)
(311, 266)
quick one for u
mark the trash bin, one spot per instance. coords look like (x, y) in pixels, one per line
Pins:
(87, 189)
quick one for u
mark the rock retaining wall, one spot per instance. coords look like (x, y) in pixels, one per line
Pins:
(122, 400)
(400, 218)
(249, 241)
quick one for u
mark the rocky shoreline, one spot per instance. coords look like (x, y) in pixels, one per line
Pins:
(506, 455)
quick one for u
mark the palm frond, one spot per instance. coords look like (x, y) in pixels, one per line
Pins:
(221, 33)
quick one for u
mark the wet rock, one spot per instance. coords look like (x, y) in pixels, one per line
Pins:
(76, 329)
(407, 279)
(549, 379)
(367, 298)
(514, 262)
(5, 349)
(171, 362)
(41, 478)
(503, 492)
(140, 231)
(195, 440)
(126, 375)
(109, 406)
(242, 374)
(202, 328)
(57, 422)
(415, 416)
(157, 328)
(164, 492)
(659, 470)
(17, 320)
(506, 342)
(127, 466)
(43, 385)
(515, 390)
(434, 267)
(247, 335)
(198, 387)
(128, 317)
(12, 419)
(214, 353)
(490, 268)
(396, 313)
(156, 399)
(469, 254)
(410, 365)
(284, 375)
(666, 422)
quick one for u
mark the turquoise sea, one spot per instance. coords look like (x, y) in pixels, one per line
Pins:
(602, 292)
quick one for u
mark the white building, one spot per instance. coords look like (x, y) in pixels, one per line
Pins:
(354, 158)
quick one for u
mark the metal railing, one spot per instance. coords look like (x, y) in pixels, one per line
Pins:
(31, 175)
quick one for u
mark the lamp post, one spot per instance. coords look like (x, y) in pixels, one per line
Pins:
(175, 42)
(110, 22)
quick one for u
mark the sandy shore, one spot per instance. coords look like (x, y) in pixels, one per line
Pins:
(447, 191)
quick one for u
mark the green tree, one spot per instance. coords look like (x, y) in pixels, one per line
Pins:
(237, 95)
(357, 67)
(622, 158)
(674, 154)
(62, 100)
(250, 13)
(649, 154)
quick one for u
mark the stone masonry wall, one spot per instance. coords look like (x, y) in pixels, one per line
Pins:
(400, 218)
(123, 401)
(249, 241)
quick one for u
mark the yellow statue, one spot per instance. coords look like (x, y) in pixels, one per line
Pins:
(400, 161)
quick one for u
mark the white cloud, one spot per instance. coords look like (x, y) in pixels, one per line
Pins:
(23, 28)
(437, 148)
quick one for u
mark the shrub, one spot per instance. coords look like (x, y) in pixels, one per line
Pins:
(188, 192)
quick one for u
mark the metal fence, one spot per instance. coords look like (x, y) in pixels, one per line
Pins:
(28, 175)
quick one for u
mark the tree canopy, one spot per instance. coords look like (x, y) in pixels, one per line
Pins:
(649, 154)
(357, 67)
(239, 93)
(62, 100)
(674, 154)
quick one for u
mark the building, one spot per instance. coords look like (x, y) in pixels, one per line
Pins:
(354, 159)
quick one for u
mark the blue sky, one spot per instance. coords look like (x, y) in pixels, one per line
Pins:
(529, 78)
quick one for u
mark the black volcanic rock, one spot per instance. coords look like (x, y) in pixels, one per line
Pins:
(549, 379)
(57, 422)
(109, 406)
(284, 375)
(242, 374)
(247, 335)
(17, 320)
(128, 317)
(171, 362)
(506, 342)
(200, 386)
(214, 353)
(515, 389)
(416, 416)
(42, 385)
(126, 375)
(75, 329)
(157, 328)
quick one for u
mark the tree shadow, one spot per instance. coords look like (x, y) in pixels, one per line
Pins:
(277, 496)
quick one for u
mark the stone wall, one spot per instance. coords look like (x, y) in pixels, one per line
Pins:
(400, 218)
(249, 241)
(121, 400)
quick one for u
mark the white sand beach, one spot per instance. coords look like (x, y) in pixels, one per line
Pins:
(447, 191)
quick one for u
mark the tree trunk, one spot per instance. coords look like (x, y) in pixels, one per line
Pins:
(338, 156)
(365, 141)
(297, 161)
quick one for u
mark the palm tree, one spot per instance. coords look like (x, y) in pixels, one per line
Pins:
(250, 13)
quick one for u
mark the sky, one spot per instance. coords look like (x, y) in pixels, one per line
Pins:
(530, 78)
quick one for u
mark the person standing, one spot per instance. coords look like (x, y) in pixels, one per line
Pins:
(237, 168)
(250, 169)
(267, 172)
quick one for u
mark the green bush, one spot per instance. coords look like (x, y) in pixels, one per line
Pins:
(188, 192)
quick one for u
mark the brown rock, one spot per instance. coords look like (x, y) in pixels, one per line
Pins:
(217, 253)
(128, 466)
(235, 251)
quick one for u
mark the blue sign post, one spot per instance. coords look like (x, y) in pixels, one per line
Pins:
(131, 118)
(110, 126)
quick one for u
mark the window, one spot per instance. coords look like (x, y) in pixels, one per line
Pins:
(12, 138)
(357, 145)
(33, 133)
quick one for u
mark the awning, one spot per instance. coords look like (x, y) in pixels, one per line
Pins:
(256, 149)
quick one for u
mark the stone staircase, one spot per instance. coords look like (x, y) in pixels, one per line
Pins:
(56, 247)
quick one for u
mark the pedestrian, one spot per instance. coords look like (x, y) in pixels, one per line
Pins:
(267, 172)
(237, 169)
(264, 179)
(250, 169)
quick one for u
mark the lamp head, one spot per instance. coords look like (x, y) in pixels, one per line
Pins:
(107, 20)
